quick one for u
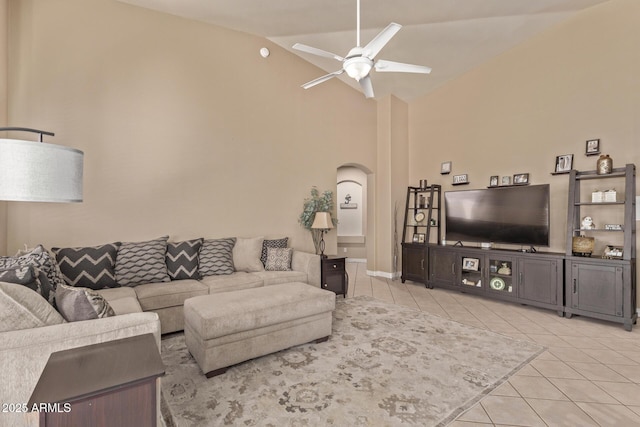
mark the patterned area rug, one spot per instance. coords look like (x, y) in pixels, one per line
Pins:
(384, 365)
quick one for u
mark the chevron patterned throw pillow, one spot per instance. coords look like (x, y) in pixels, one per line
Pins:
(89, 267)
(138, 263)
(182, 259)
(216, 256)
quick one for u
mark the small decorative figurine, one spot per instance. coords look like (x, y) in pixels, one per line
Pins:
(587, 223)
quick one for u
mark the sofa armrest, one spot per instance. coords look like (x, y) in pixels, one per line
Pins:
(24, 353)
(307, 263)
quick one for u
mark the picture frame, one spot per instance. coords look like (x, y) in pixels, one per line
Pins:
(592, 147)
(521, 179)
(445, 168)
(470, 264)
(564, 163)
(460, 179)
(419, 238)
(493, 181)
(612, 252)
(506, 180)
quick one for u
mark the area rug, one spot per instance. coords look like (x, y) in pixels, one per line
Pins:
(384, 365)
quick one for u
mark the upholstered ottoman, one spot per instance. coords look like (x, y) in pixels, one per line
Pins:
(227, 328)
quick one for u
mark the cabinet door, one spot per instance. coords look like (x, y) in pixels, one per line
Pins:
(538, 280)
(501, 270)
(414, 263)
(442, 266)
(596, 288)
(470, 267)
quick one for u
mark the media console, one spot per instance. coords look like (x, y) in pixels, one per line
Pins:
(521, 277)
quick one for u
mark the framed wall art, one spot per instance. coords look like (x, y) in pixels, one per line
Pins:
(521, 179)
(592, 147)
(564, 163)
(460, 179)
(445, 168)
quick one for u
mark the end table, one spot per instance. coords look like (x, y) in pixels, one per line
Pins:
(334, 275)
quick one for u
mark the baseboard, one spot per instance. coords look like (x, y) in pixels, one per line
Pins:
(384, 274)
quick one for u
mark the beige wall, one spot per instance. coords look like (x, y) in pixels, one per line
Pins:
(546, 97)
(3, 111)
(391, 183)
(186, 129)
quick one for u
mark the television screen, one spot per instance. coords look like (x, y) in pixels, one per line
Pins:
(516, 215)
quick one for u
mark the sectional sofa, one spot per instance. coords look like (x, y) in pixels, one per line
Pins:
(137, 288)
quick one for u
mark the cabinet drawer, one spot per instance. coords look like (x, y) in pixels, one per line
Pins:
(330, 266)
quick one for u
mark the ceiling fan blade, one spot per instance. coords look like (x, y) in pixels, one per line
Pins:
(399, 67)
(322, 79)
(315, 51)
(367, 87)
(379, 41)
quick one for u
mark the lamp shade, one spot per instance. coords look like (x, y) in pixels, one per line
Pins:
(40, 172)
(322, 221)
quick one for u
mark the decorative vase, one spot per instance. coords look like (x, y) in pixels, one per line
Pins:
(605, 165)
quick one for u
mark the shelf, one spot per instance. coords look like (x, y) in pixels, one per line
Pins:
(510, 185)
(597, 203)
(616, 173)
(580, 230)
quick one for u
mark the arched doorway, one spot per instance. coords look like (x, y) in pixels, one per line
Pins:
(352, 206)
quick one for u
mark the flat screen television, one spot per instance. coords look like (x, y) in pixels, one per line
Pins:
(514, 215)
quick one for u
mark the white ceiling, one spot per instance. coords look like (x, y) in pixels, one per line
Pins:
(450, 36)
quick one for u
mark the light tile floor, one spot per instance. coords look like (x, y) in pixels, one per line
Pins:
(588, 376)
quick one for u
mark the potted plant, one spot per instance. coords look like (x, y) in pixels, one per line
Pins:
(318, 202)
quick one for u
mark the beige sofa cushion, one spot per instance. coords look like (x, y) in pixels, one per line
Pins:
(232, 282)
(23, 308)
(246, 254)
(277, 277)
(122, 300)
(153, 296)
(112, 294)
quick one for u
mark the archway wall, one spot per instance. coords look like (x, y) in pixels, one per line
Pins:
(351, 207)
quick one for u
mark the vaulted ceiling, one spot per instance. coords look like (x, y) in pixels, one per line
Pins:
(450, 36)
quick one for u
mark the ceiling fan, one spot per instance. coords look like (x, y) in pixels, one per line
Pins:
(360, 60)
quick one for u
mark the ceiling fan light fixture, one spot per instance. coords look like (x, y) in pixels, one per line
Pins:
(358, 67)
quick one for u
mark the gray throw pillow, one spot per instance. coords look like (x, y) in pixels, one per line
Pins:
(216, 256)
(30, 277)
(272, 243)
(279, 259)
(21, 308)
(182, 259)
(77, 304)
(40, 258)
(89, 267)
(142, 262)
